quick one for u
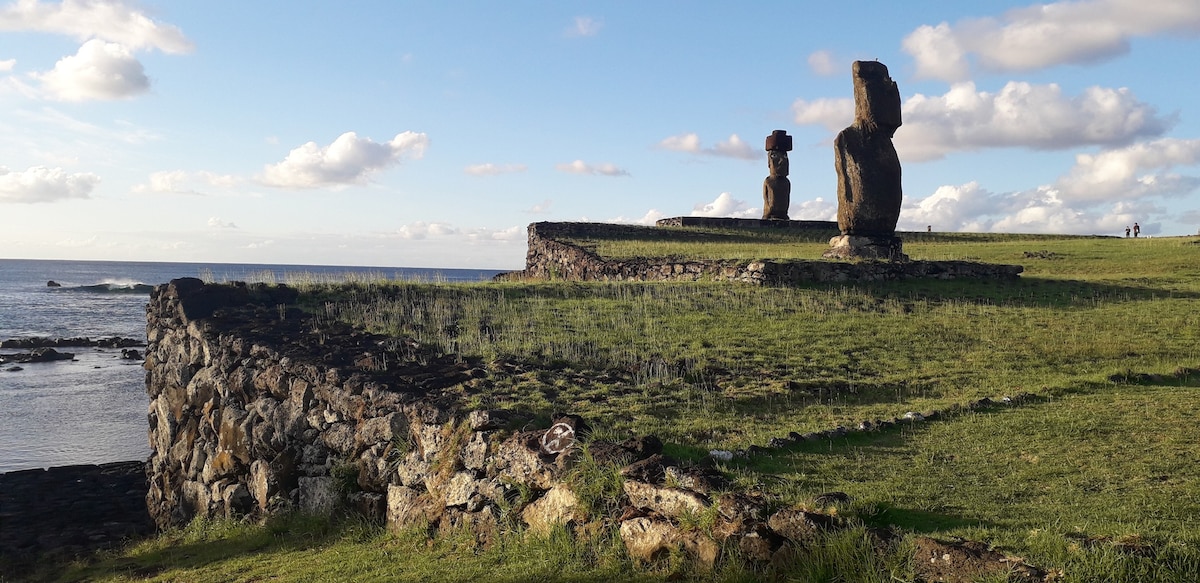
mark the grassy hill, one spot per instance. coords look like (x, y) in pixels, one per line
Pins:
(1094, 476)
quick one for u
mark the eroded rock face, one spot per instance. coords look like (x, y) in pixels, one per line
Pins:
(868, 168)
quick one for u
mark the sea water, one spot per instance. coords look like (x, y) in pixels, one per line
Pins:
(92, 409)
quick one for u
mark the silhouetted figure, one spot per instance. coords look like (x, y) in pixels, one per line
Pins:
(1137, 229)
(1126, 232)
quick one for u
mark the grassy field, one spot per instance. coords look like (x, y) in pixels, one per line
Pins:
(1095, 477)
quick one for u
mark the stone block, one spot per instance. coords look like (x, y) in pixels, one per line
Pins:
(319, 495)
(559, 506)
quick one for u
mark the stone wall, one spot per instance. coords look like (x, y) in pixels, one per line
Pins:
(71, 509)
(550, 257)
(254, 408)
(257, 408)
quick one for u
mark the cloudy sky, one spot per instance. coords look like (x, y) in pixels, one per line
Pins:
(429, 134)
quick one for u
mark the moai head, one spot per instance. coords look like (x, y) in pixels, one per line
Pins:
(777, 163)
(778, 145)
(876, 98)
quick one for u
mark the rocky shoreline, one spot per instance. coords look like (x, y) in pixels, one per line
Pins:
(41, 349)
(43, 342)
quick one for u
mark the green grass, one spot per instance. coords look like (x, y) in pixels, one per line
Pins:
(720, 365)
(1095, 476)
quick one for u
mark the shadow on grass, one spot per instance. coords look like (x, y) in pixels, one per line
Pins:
(1025, 292)
(1180, 377)
(283, 533)
(922, 521)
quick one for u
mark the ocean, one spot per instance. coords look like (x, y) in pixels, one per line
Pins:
(92, 409)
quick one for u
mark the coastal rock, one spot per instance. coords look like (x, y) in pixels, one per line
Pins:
(36, 355)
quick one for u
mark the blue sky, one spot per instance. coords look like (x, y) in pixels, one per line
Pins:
(429, 134)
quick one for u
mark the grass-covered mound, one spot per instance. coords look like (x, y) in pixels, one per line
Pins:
(1094, 477)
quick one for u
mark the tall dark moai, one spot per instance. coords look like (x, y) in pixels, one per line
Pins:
(868, 170)
(777, 189)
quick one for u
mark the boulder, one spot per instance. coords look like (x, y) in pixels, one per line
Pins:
(407, 507)
(648, 540)
(673, 502)
(558, 507)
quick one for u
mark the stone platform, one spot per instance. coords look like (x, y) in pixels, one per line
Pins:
(552, 256)
(731, 223)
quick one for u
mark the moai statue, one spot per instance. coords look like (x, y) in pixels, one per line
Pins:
(868, 170)
(777, 189)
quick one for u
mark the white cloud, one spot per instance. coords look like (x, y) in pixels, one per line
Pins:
(817, 209)
(6, 66)
(490, 169)
(348, 160)
(1127, 173)
(824, 63)
(834, 114)
(938, 53)
(649, 219)
(110, 20)
(726, 206)
(965, 207)
(423, 230)
(217, 223)
(1045, 212)
(185, 182)
(1019, 115)
(541, 207)
(511, 234)
(1040, 36)
(734, 147)
(99, 70)
(120, 130)
(585, 26)
(971, 208)
(681, 143)
(581, 167)
(41, 184)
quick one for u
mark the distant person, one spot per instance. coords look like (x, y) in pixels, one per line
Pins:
(1137, 229)
(928, 228)
(1126, 232)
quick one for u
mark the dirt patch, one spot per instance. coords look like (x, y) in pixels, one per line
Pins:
(966, 561)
